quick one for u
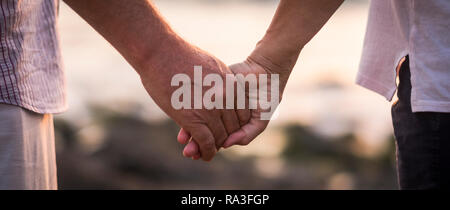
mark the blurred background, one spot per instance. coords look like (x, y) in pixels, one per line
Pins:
(330, 134)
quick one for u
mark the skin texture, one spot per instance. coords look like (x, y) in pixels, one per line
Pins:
(295, 23)
(137, 30)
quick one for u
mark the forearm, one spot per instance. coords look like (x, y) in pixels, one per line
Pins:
(295, 23)
(140, 34)
(134, 28)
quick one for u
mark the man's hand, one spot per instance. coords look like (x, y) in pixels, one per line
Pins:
(209, 128)
(137, 30)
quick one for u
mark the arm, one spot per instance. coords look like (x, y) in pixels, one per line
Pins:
(295, 23)
(157, 53)
(135, 28)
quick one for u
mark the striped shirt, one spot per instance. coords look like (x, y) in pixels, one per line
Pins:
(31, 74)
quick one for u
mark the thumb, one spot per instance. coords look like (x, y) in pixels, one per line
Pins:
(246, 133)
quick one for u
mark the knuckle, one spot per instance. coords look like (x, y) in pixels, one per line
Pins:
(223, 136)
(244, 116)
(200, 136)
(235, 128)
(209, 145)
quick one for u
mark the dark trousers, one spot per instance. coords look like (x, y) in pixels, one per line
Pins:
(423, 141)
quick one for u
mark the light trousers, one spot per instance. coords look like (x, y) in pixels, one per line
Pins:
(27, 150)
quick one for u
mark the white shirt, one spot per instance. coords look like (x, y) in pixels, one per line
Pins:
(420, 29)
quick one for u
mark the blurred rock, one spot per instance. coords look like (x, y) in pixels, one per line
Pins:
(121, 151)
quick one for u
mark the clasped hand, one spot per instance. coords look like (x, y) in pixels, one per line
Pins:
(205, 131)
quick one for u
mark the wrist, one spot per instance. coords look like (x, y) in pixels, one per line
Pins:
(275, 57)
(263, 57)
(160, 54)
